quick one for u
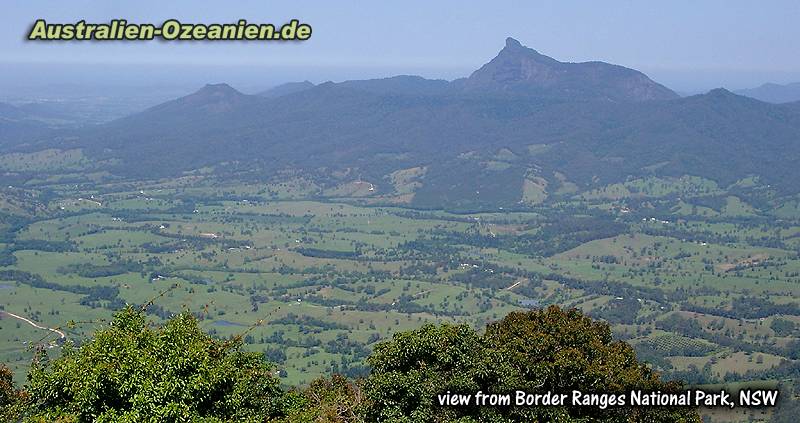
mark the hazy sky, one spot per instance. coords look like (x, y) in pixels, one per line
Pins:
(687, 45)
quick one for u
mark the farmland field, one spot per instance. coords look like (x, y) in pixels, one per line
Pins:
(314, 279)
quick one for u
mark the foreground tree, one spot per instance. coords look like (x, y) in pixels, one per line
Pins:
(411, 369)
(11, 399)
(326, 400)
(132, 372)
(535, 351)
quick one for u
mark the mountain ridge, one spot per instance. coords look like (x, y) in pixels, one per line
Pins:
(517, 67)
(774, 93)
(286, 89)
(381, 126)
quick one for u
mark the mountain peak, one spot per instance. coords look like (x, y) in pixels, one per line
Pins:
(218, 90)
(212, 97)
(521, 69)
(774, 93)
(720, 92)
(512, 43)
(214, 93)
(724, 96)
(514, 49)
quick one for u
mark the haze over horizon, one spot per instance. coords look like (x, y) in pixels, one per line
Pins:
(688, 47)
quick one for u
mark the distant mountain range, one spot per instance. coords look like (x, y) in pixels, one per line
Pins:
(18, 124)
(472, 142)
(774, 93)
(286, 89)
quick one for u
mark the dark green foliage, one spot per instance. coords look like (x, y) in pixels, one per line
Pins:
(750, 308)
(93, 294)
(622, 311)
(534, 351)
(560, 351)
(10, 398)
(293, 319)
(676, 323)
(466, 185)
(787, 411)
(782, 327)
(565, 232)
(712, 202)
(793, 349)
(667, 346)
(44, 245)
(484, 278)
(7, 258)
(7, 391)
(133, 372)
(334, 399)
(88, 270)
(411, 369)
(319, 253)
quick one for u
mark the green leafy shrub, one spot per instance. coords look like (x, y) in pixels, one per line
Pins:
(133, 372)
(11, 399)
(536, 351)
(136, 372)
(335, 399)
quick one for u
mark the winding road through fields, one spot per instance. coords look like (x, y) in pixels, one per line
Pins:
(62, 335)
